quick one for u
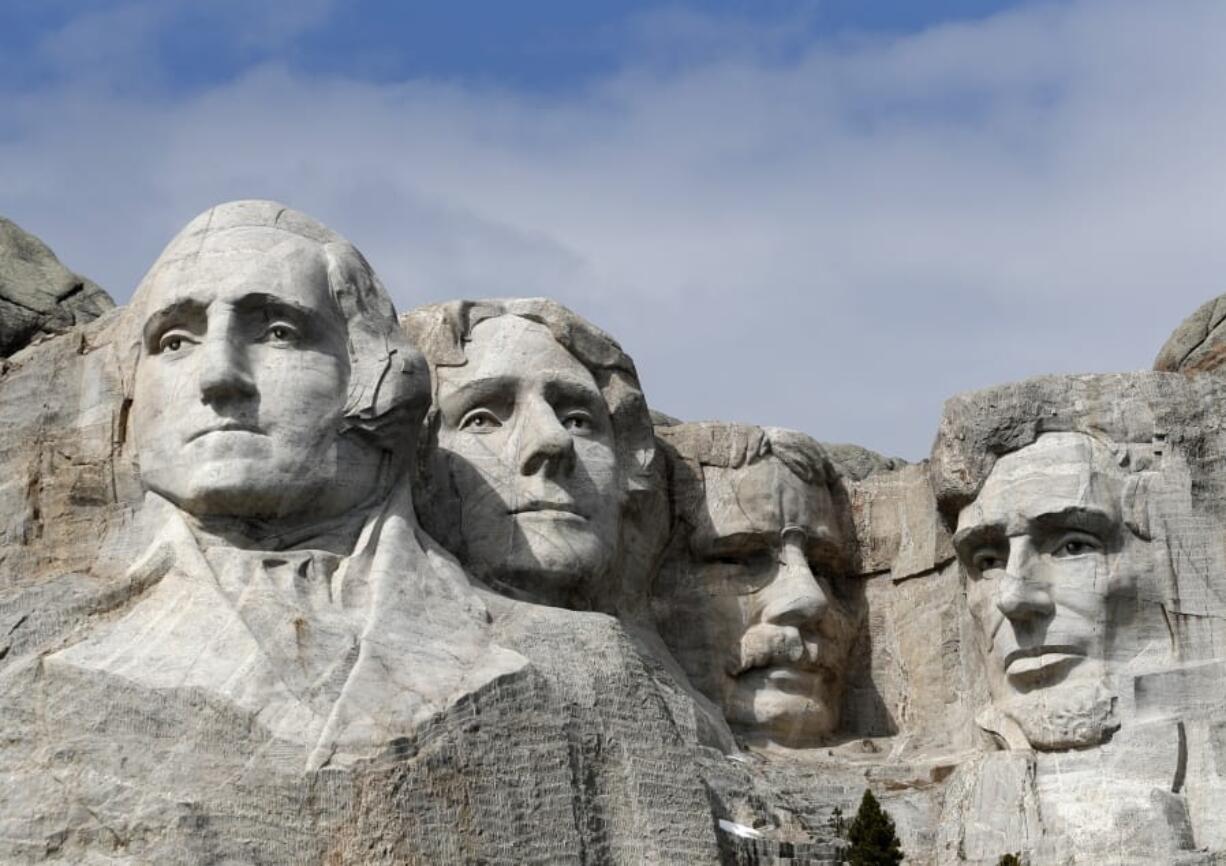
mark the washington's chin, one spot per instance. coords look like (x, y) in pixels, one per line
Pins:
(229, 490)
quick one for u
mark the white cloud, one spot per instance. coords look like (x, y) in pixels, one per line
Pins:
(834, 239)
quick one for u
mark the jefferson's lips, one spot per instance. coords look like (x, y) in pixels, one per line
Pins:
(543, 506)
(228, 427)
(1025, 661)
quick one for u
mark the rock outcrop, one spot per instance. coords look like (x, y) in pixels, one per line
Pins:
(38, 295)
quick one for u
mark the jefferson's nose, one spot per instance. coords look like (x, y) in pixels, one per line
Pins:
(224, 371)
(1019, 593)
(795, 596)
(544, 443)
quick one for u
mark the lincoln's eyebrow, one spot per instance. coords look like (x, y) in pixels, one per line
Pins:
(1085, 517)
(972, 537)
(174, 312)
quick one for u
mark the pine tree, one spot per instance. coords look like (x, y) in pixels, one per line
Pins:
(1009, 860)
(872, 836)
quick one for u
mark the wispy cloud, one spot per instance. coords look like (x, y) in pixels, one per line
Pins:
(833, 235)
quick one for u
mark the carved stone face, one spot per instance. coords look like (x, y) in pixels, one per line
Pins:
(752, 615)
(529, 445)
(242, 382)
(1052, 574)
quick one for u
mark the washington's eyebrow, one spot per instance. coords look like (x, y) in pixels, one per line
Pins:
(174, 312)
(266, 303)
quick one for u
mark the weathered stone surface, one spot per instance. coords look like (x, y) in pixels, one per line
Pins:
(38, 295)
(266, 596)
(1196, 346)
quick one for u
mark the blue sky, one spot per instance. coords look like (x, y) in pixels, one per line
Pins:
(829, 215)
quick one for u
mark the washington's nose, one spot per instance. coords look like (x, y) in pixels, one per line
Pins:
(545, 445)
(1019, 595)
(795, 596)
(224, 371)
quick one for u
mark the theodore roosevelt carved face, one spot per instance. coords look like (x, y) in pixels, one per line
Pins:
(1052, 574)
(750, 600)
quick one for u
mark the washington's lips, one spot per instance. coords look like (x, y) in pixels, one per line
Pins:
(1029, 660)
(543, 506)
(225, 427)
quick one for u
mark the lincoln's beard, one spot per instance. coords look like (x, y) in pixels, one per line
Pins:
(1077, 714)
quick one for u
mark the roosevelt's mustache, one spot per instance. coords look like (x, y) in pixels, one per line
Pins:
(768, 645)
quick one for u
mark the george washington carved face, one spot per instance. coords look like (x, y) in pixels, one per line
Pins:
(241, 388)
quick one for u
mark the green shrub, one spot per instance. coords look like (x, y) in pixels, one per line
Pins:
(872, 837)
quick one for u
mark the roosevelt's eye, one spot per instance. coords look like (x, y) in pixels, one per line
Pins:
(987, 560)
(480, 421)
(1076, 544)
(577, 422)
(173, 341)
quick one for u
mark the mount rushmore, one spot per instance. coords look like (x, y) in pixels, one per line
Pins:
(287, 576)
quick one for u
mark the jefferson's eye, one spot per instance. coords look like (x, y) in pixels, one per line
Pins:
(1076, 544)
(577, 422)
(480, 421)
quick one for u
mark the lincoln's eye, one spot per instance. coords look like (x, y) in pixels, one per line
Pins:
(1076, 544)
(480, 421)
(174, 344)
(987, 560)
(577, 422)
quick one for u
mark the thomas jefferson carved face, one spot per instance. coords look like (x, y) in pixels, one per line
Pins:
(530, 450)
(752, 611)
(242, 382)
(1052, 575)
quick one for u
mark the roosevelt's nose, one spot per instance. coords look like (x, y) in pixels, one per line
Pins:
(795, 596)
(224, 370)
(1020, 594)
(545, 445)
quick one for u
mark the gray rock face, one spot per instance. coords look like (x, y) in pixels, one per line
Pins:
(285, 578)
(1196, 346)
(38, 295)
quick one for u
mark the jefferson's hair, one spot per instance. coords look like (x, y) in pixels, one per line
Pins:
(441, 331)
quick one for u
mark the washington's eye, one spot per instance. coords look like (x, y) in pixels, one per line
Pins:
(480, 421)
(1076, 544)
(172, 341)
(577, 422)
(280, 332)
(987, 560)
